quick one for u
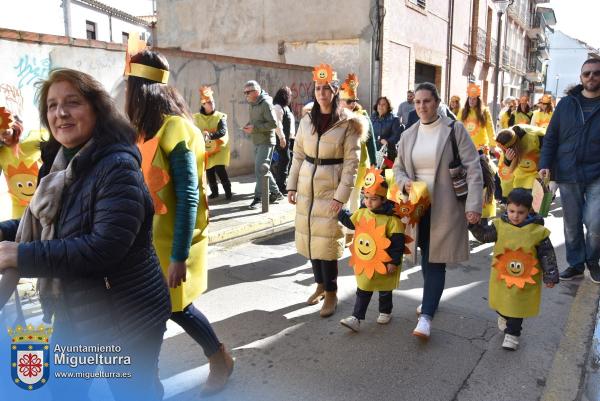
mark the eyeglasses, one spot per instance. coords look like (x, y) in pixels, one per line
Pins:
(595, 73)
(248, 92)
(349, 101)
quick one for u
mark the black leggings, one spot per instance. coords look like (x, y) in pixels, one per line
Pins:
(364, 297)
(326, 272)
(198, 327)
(211, 177)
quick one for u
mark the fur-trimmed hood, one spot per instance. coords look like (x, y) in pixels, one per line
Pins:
(358, 121)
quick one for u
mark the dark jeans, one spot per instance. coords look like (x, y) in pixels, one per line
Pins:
(198, 327)
(514, 325)
(143, 384)
(364, 297)
(211, 176)
(581, 203)
(325, 272)
(280, 168)
(434, 274)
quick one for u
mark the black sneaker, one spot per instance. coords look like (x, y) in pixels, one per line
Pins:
(275, 198)
(594, 269)
(570, 273)
(255, 203)
(213, 195)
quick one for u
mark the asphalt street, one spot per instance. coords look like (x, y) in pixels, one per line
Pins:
(285, 351)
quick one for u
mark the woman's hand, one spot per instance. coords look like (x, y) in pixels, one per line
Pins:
(292, 197)
(544, 173)
(8, 255)
(282, 143)
(407, 186)
(473, 217)
(335, 206)
(176, 274)
(391, 268)
(510, 154)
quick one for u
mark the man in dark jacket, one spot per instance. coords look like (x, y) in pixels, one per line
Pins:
(261, 127)
(571, 157)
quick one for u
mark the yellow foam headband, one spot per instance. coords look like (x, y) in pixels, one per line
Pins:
(151, 73)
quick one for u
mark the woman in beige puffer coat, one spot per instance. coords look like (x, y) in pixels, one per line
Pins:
(323, 173)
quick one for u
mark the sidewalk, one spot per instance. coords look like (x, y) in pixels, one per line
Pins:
(232, 221)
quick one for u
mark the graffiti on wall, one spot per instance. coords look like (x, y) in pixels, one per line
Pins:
(12, 98)
(30, 69)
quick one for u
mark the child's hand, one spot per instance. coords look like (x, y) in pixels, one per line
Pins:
(391, 268)
(549, 285)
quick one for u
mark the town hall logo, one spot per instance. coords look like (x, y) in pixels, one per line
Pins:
(30, 356)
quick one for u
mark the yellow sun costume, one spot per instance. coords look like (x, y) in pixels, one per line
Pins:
(526, 172)
(20, 165)
(516, 274)
(506, 176)
(155, 167)
(368, 249)
(217, 150)
(541, 119)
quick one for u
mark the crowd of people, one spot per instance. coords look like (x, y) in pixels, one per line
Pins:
(110, 211)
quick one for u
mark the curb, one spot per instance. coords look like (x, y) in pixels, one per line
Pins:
(252, 230)
(568, 369)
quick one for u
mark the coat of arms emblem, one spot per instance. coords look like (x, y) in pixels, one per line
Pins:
(30, 356)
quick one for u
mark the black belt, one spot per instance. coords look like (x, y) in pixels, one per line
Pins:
(323, 162)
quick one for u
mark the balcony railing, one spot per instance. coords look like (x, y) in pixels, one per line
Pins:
(481, 40)
(492, 53)
(505, 58)
(513, 58)
(518, 11)
(534, 65)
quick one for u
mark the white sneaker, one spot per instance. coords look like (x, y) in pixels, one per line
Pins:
(351, 322)
(510, 342)
(384, 318)
(419, 309)
(501, 323)
(423, 328)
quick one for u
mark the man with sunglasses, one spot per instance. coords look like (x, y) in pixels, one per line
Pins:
(571, 157)
(261, 127)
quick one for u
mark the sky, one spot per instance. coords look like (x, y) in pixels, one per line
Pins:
(578, 19)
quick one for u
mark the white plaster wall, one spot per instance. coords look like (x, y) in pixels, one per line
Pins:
(23, 64)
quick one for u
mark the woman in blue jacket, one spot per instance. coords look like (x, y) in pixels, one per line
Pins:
(387, 126)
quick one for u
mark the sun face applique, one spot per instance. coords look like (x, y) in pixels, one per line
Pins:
(373, 179)
(504, 171)
(368, 248)
(529, 161)
(324, 74)
(472, 126)
(516, 267)
(22, 182)
(212, 146)
(410, 213)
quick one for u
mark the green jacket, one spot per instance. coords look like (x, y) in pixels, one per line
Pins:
(262, 117)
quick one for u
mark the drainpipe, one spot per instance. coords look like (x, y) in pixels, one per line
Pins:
(449, 49)
(110, 35)
(67, 16)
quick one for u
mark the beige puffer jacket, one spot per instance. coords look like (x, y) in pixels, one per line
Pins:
(318, 233)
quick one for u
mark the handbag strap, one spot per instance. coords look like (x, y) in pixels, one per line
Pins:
(456, 155)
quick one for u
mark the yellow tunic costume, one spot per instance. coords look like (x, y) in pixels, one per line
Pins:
(155, 166)
(217, 150)
(526, 172)
(541, 119)
(516, 275)
(483, 137)
(522, 118)
(506, 176)
(369, 256)
(21, 169)
(364, 162)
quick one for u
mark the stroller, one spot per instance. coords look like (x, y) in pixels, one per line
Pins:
(382, 160)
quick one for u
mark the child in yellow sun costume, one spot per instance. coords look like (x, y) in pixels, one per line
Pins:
(521, 146)
(19, 160)
(377, 250)
(523, 258)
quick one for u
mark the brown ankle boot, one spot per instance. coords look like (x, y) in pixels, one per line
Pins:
(221, 367)
(330, 304)
(317, 295)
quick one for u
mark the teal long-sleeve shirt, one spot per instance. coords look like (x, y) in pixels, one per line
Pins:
(184, 174)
